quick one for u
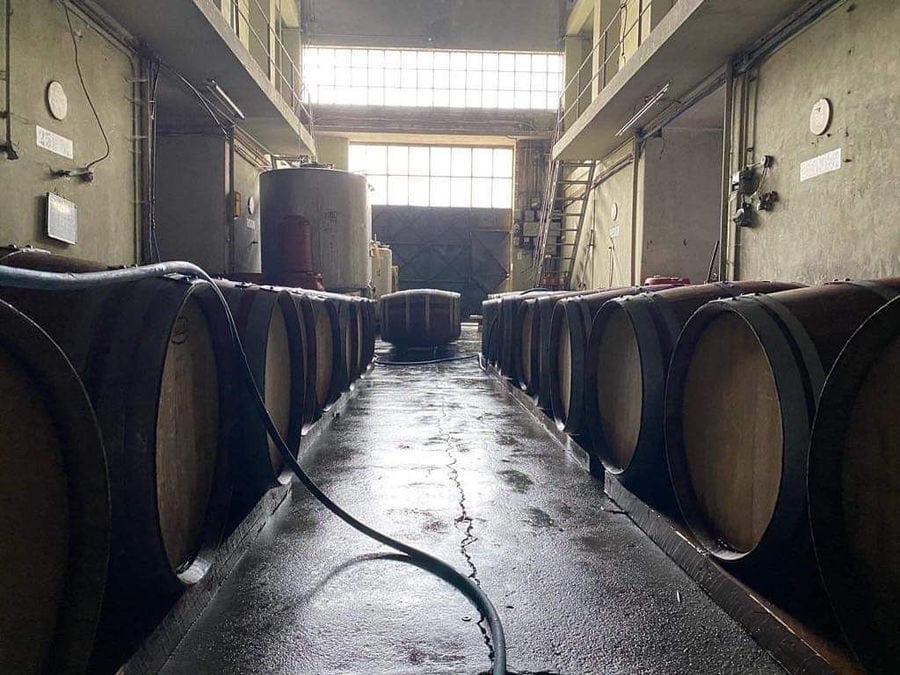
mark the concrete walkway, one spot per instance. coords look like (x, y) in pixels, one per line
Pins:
(439, 457)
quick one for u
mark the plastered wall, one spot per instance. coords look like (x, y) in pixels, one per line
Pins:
(42, 51)
(844, 223)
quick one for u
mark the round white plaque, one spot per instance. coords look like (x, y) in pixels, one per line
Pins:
(57, 100)
(820, 117)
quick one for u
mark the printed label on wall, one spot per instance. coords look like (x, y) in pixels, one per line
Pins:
(62, 219)
(251, 224)
(614, 232)
(830, 161)
(54, 142)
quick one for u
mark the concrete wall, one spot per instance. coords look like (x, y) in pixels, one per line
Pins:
(526, 25)
(681, 212)
(191, 188)
(42, 51)
(604, 257)
(844, 223)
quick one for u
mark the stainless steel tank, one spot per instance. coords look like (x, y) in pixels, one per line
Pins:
(382, 261)
(336, 203)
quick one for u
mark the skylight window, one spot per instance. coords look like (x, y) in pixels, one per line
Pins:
(432, 79)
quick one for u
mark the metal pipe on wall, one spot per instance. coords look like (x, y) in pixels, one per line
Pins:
(8, 146)
(637, 145)
(726, 172)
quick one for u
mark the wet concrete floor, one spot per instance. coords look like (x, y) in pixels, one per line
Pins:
(439, 457)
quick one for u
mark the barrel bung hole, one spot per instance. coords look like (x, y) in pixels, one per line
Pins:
(187, 435)
(619, 389)
(732, 432)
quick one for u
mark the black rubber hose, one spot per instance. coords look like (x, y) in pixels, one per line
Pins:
(55, 281)
(430, 362)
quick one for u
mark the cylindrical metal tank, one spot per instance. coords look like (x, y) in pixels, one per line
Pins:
(336, 204)
(382, 261)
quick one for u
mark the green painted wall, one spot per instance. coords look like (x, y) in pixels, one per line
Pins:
(42, 51)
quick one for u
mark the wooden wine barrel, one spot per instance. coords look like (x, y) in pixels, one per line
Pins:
(420, 318)
(54, 506)
(273, 339)
(744, 381)
(351, 340)
(854, 489)
(323, 317)
(544, 318)
(28, 257)
(528, 332)
(627, 361)
(490, 319)
(157, 361)
(566, 347)
(368, 331)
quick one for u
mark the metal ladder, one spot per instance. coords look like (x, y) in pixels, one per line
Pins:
(553, 267)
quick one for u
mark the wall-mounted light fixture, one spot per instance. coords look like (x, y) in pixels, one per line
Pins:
(652, 101)
(213, 88)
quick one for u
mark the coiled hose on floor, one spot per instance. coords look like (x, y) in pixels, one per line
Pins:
(54, 281)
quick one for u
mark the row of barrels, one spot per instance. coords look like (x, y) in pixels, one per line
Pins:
(130, 446)
(762, 415)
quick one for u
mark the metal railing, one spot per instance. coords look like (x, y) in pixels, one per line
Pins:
(611, 55)
(278, 63)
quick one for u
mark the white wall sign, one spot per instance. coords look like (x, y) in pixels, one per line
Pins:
(62, 219)
(54, 142)
(614, 232)
(830, 161)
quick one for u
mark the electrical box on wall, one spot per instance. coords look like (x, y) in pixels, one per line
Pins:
(62, 219)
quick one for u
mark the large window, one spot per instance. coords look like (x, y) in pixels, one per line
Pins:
(423, 175)
(440, 79)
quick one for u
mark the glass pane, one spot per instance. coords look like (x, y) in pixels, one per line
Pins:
(376, 96)
(392, 78)
(523, 81)
(461, 192)
(503, 163)
(342, 58)
(424, 79)
(523, 62)
(343, 95)
(523, 99)
(357, 96)
(425, 60)
(440, 192)
(376, 58)
(441, 60)
(462, 162)
(398, 191)
(408, 97)
(393, 96)
(441, 79)
(507, 82)
(392, 58)
(398, 160)
(539, 63)
(473, 61)
(356, 158)
(457, 79)
(408, 60)
(376, 159)
(440, 162)
(490, 61)
(376, 77)
(457, 60)
(424, 98)
(507, 62)
(342, 75)
(359, 58)
(482, 193)
(490, 80)
(360, 77)
(489, 99)
(473, 80)
(378, 195)
(502, 193)
(482, 162)
(418, 191)
(538, 100)
(326, 95)
(473, 98)
(418, 161)
(442, 98)
(505, 99)
(408, 79)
